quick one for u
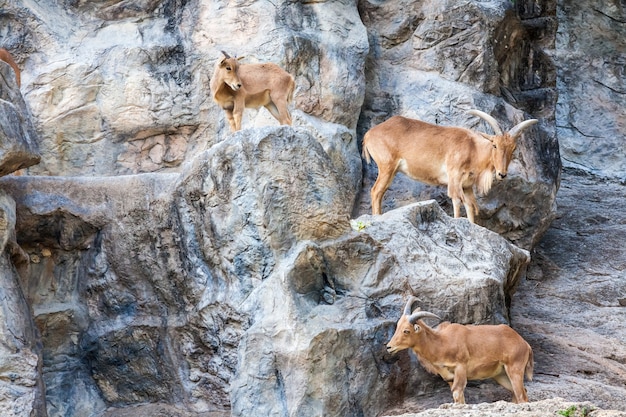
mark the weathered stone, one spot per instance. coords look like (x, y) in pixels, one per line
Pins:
(316, 346)
(21, 384)
(591, 110)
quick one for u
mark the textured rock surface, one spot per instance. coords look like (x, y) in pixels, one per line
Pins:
(591, 110)
(131, 92)
(227, 274)
(21, 384)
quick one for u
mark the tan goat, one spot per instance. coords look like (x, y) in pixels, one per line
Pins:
(459, 353)
(235, 86)
(6, 57)
(440, 155)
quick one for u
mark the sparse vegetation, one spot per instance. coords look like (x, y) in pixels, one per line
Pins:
(574, 411)
(359, 225)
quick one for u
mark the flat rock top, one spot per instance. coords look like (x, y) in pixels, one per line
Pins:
(550, 407)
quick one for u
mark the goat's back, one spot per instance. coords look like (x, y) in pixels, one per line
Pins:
(497, 340)
(266, 76)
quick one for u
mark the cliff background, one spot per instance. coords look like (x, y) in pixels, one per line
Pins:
(153, 263)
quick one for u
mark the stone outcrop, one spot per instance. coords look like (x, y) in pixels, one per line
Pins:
(242, 313)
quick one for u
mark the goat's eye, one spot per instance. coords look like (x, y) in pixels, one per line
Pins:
(228, 68)
(406, 331)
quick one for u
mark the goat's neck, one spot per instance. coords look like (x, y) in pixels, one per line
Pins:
(428, 342)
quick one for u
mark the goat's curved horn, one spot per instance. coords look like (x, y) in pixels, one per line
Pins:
(225, 54)
(409, 305)
(422, 314)
(492, 122)
(520, 127)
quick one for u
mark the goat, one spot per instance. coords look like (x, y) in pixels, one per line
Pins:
(440, 155)
(6, 57)
(459, 353)
(236, 86)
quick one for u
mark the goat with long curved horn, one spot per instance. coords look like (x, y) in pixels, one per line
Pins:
(459, 158)
(459, 353)
(414, 317)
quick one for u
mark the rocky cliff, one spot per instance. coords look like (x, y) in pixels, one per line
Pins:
(154, 263)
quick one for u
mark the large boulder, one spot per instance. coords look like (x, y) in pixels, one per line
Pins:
(434, 61)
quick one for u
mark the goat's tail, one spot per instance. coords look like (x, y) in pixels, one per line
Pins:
(292, 87)
(365, 152)
(530, 366)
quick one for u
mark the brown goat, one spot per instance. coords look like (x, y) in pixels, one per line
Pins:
(6, 57)
(440, 155)
(459, 353)
(236, 86)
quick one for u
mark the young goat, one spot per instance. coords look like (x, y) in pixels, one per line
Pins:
(459, 353)
(235, 86)
(440, 155)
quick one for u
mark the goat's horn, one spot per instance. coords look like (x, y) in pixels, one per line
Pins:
(422, 314)
(409, 305)
(519, 128)
(225, 54)
(492, 122)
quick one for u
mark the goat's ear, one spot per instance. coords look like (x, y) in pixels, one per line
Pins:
(240, 58)
(416, 327)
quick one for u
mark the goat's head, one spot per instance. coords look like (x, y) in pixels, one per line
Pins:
(228, 67)
(407, 328)
(503, 144)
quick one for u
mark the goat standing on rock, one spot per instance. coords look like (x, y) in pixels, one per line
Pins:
(440, 155)
(459, 353)
(235, 86)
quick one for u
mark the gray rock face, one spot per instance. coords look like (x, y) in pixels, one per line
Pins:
(17, 134)
(21, 385)
(591, 110)
(224, 276)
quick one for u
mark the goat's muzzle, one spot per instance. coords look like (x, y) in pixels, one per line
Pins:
(501, 175)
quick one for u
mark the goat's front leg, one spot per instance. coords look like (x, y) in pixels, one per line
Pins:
(231, 120)
(238, 108)
(458, 385)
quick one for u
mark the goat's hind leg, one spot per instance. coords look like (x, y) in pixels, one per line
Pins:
(278, 108)
(469, 201)
(516, 378)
